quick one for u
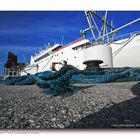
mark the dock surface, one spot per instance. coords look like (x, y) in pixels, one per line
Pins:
(109, 105)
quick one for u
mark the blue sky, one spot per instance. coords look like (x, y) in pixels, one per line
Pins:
(25, 32)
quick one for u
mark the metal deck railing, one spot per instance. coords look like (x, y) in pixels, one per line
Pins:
(120, 37)
(128, 35)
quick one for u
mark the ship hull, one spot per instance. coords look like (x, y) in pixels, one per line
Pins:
(126, 55)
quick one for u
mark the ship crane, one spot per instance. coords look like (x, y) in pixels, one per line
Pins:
(104, 32)
(98, 30)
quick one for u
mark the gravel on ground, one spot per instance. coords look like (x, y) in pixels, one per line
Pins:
(107, 105)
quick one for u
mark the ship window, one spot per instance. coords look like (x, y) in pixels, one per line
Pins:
(74, 56)
(15, 73)
(79, 48)
(45, 55)
(10, 73)
(61, 52)
(88, 45)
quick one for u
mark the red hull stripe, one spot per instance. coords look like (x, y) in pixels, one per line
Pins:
(75, 41)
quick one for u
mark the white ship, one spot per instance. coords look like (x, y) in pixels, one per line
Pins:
(114, 52)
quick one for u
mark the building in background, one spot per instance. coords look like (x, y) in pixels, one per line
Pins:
(12, 68)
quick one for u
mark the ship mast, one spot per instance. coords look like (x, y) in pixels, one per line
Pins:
(94, 20)
(102, 31)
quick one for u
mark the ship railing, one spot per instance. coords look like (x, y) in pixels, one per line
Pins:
(117, 38)
(127, 35)
(40, 52)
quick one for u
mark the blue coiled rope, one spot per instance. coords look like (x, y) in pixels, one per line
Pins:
(58, 83)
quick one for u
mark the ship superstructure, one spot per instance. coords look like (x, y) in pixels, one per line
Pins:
(73, 53)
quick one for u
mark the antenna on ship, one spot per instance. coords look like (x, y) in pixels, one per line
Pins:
(62, 40)
(49, 45)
